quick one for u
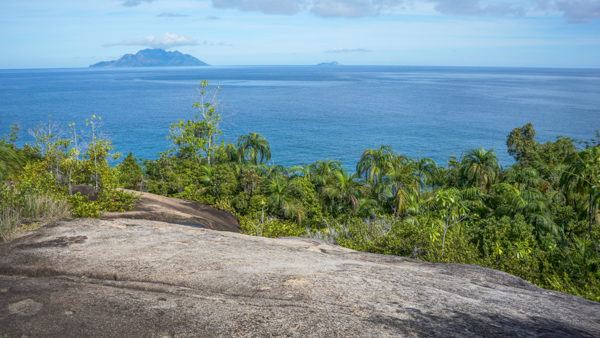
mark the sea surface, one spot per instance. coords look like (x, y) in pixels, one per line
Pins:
(310, 113)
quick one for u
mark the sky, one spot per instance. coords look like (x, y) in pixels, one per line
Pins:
(518, 33)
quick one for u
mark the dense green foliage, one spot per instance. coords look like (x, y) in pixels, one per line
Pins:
(537, 219)
(56, 177)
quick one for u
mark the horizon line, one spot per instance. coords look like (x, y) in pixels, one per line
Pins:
(306, 65)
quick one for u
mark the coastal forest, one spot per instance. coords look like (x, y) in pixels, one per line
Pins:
(537, 218)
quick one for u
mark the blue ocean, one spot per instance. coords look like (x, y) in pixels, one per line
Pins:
(310, 113)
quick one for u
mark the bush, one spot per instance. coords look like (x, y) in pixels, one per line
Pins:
(130, 173)
(82, 207)
(117, 201)
(272, 228)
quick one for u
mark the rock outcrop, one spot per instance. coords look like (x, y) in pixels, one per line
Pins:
(177, 211)
(129, 277)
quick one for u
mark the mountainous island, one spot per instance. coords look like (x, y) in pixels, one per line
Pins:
(152, 58)
(329, 64)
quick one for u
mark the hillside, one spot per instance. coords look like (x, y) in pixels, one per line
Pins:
(152, 58)
(125, 277)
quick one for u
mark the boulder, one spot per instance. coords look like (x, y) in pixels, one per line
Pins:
(131, 277)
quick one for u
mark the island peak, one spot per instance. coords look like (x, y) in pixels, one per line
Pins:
(152, 58)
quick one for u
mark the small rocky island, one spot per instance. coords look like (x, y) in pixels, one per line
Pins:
(152, 58)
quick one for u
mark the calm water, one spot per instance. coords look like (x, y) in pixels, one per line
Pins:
(311, 113)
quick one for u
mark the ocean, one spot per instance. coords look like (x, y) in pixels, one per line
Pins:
(310, 113)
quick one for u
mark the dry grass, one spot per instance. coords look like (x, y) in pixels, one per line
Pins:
(35, 210)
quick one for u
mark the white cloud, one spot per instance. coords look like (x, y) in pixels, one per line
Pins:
(169, 40)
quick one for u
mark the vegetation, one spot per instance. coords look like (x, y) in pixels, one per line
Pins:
(537, 219)
(56, 177)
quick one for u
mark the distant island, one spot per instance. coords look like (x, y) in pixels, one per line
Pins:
(152, 58)
(329, 64)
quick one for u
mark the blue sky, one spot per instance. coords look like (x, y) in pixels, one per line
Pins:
(529, 33)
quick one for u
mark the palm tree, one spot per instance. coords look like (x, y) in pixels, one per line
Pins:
(582, 176)
(254, 148)
(374, 163)
(320, 172)
(479, 168)
(342, 192)
(299, 171)
(531, 203)
(536, 210)
(428, 172)
(395, 180)
(227, 153)
(281, 199)
(404, 185)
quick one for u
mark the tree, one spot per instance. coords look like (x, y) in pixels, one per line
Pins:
(254, 148)
(71, 162)
(250, 179)
(98, 154)
(428, 173)
(582, 176)
(342, 192)
(130, 173)
(196, 138)
(281, 199)
(51, 146)
(321, 173)
(521, 143)
(511, 201)
(403, 181)
(227, 153)
(375, 163)
(479, 168)
(452, 209)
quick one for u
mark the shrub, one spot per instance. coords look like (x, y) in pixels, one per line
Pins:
(272, 228)
(117, 201)
(82, 207)
(130, 173)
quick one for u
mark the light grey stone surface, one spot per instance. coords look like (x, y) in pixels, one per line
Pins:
(130, 278)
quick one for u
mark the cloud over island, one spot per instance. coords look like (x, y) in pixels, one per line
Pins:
(167, 41)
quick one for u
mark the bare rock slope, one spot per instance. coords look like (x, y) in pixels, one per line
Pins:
(129, 277)
(177, 211)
